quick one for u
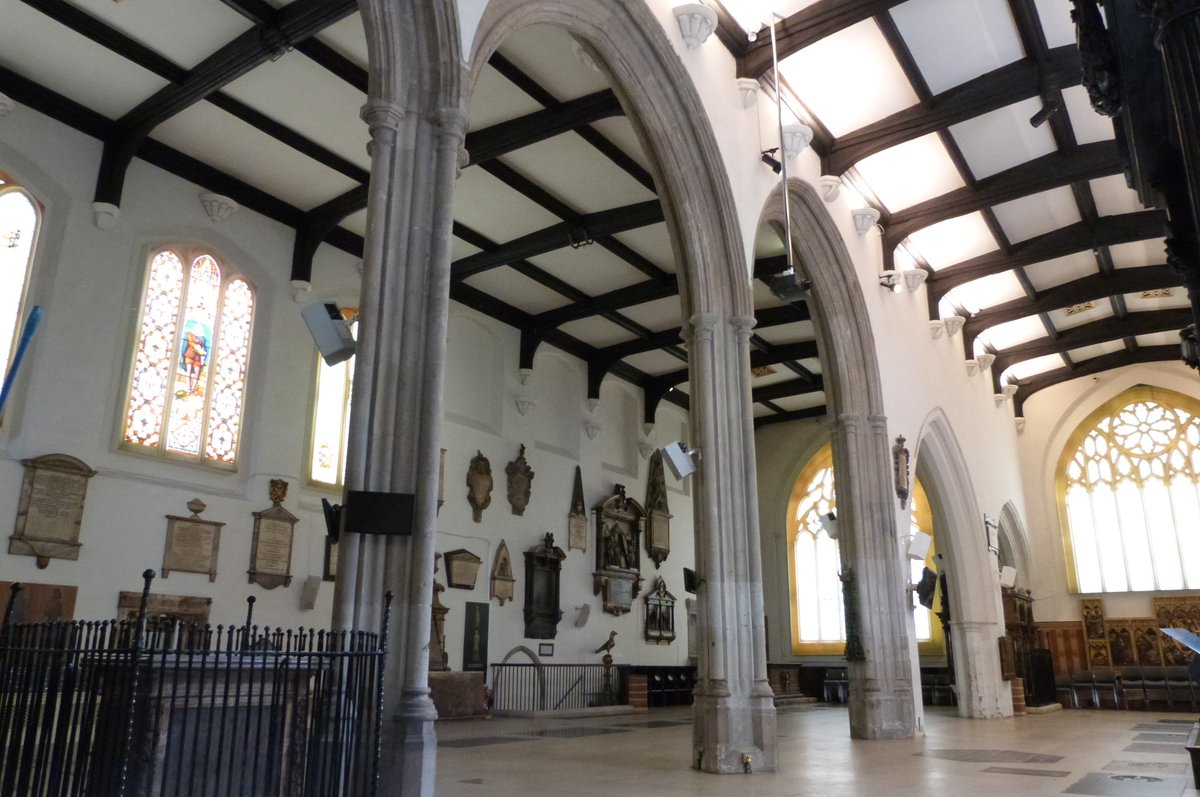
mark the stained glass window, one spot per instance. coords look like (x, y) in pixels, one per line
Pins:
(815, 561)
(19, 223)
(1128, 481)
(331, 421)
(188, 382)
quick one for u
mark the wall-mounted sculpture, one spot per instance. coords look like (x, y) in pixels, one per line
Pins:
(543, 567)
(520, 482)
(618, 556)
(658, 517)
(502, 576)
(660, 614)
(479, 485)
(577, 523)
(439, 660)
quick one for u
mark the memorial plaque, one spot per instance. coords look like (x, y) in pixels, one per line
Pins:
(577, 521)
(192, 543)
(39, 603)
(331, 559)
(271, 555)
(50, 510)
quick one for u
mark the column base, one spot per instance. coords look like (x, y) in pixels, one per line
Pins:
(726, 729)
(878, 716)
(408, 765)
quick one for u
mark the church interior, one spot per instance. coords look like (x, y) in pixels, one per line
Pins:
(725, 379)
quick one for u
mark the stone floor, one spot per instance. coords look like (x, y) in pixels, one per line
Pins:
(1088, 752)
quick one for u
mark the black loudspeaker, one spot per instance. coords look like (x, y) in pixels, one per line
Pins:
(926, 587)
(379, 513)
(691, 581)
(333, 518)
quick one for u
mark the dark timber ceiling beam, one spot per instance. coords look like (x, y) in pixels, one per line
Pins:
(1085, 289)
(1106, 362)
(805, 27)
(318, 223)
(794, 415)
(1111, 328)
(1055, 170)
(505, 137)
(793, 387)
(293, 24)
(1104, 231)
(1000, 88)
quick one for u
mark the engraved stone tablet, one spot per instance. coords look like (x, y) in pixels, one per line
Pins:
(271, 555)
(577, 522)
(192, 543)
(50, 510)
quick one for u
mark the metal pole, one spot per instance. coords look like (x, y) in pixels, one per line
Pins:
(783, 175)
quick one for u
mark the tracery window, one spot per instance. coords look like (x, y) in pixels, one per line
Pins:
(331, 420)
(818, 617)
(20, 221)
(1128, 483)
(188, 381)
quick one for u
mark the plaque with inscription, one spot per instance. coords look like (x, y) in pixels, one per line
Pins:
(50, 510)
(271, 554)
(192, 543)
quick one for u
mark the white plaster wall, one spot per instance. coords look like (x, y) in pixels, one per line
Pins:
(69, 400)
(1051, 415)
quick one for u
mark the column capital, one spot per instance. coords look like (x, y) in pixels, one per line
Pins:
(1167, 12)
(382, 115)
(451, 123)
(703, 325)
(743, 325)
(848, 420)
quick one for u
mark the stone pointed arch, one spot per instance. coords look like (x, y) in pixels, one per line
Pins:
(733, 707)
(975, 621)
(881, 682)
(1014, 542)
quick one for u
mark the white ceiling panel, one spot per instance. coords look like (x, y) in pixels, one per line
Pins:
(497, 100)
(1088, 125)
(1014, 333)
(849, 79)
(596, 331)
(201, 28)
(651, 243)
(953, 41)
(812, 364)
(309, 99)
(1150, 252)
(787, 333)
(591, 269)
(577, 174)
(92, 75)
(1113, 197)
(460, 248)
(1031, 216)
(204, 132)
(1077, 315)
(753, 14)
(763, 298)
(547, 53)
(1099, 350)
(1003, 138)
(619, 130)
(780, 374)
(348, 39)
(986, 292)
(1158, 339)
(518, 290)
(1056, 21)
(953, 241)
(656, 363)
(911, 172)
(491, 208)
(357, 223)
(802, 402)
(1028, 368)
(1048, 273)
(657, 315)
(761, 411)
(1148, 301)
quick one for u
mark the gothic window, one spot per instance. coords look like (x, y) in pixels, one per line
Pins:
(1128, 483)
(331, 421)
(20, 219)
(188, 383)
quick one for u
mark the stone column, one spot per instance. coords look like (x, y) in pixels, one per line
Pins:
(734, 711)
(881, 687)
(982, 693)
(395, 423)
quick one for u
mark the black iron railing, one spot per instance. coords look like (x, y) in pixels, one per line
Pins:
(143, 707)
(557, 687)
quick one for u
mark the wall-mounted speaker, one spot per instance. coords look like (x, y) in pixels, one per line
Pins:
(679, 460)
(1008, 576)
(918, 546)
(329, 330)
(691, 581)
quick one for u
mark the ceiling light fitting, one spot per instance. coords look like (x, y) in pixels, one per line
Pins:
(696, 23)
(786, 288)
(768, 157)
(579, 239)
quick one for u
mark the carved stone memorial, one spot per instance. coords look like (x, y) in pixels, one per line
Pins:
(618, 556)
(520, 483)
(50, 509)
(658, 517)
(660, 614)
(462, 567)
(439, 660)
(577, 522)
(479, 485)
(271, 553)
(502, 575)
(192, 543)
(543, 567)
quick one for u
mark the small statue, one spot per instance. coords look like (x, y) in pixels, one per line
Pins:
(609, 644)
(479, 485)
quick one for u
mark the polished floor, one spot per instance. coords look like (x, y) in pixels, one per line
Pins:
(1082, 751)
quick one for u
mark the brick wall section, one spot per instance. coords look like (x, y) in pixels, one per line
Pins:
(638, 691)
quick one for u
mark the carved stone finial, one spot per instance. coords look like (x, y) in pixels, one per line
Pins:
(196, 506)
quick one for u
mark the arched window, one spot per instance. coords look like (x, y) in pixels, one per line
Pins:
(818, 619)
(20, 220)
(1127, 484)
(331, 420)
(188, 384)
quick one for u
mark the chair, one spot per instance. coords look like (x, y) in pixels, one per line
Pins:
(1063, 692)
(1180, 689)
(1082, 687)
(1104, 685)
(1155, 685)
(837, 682)
(1133, 687)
